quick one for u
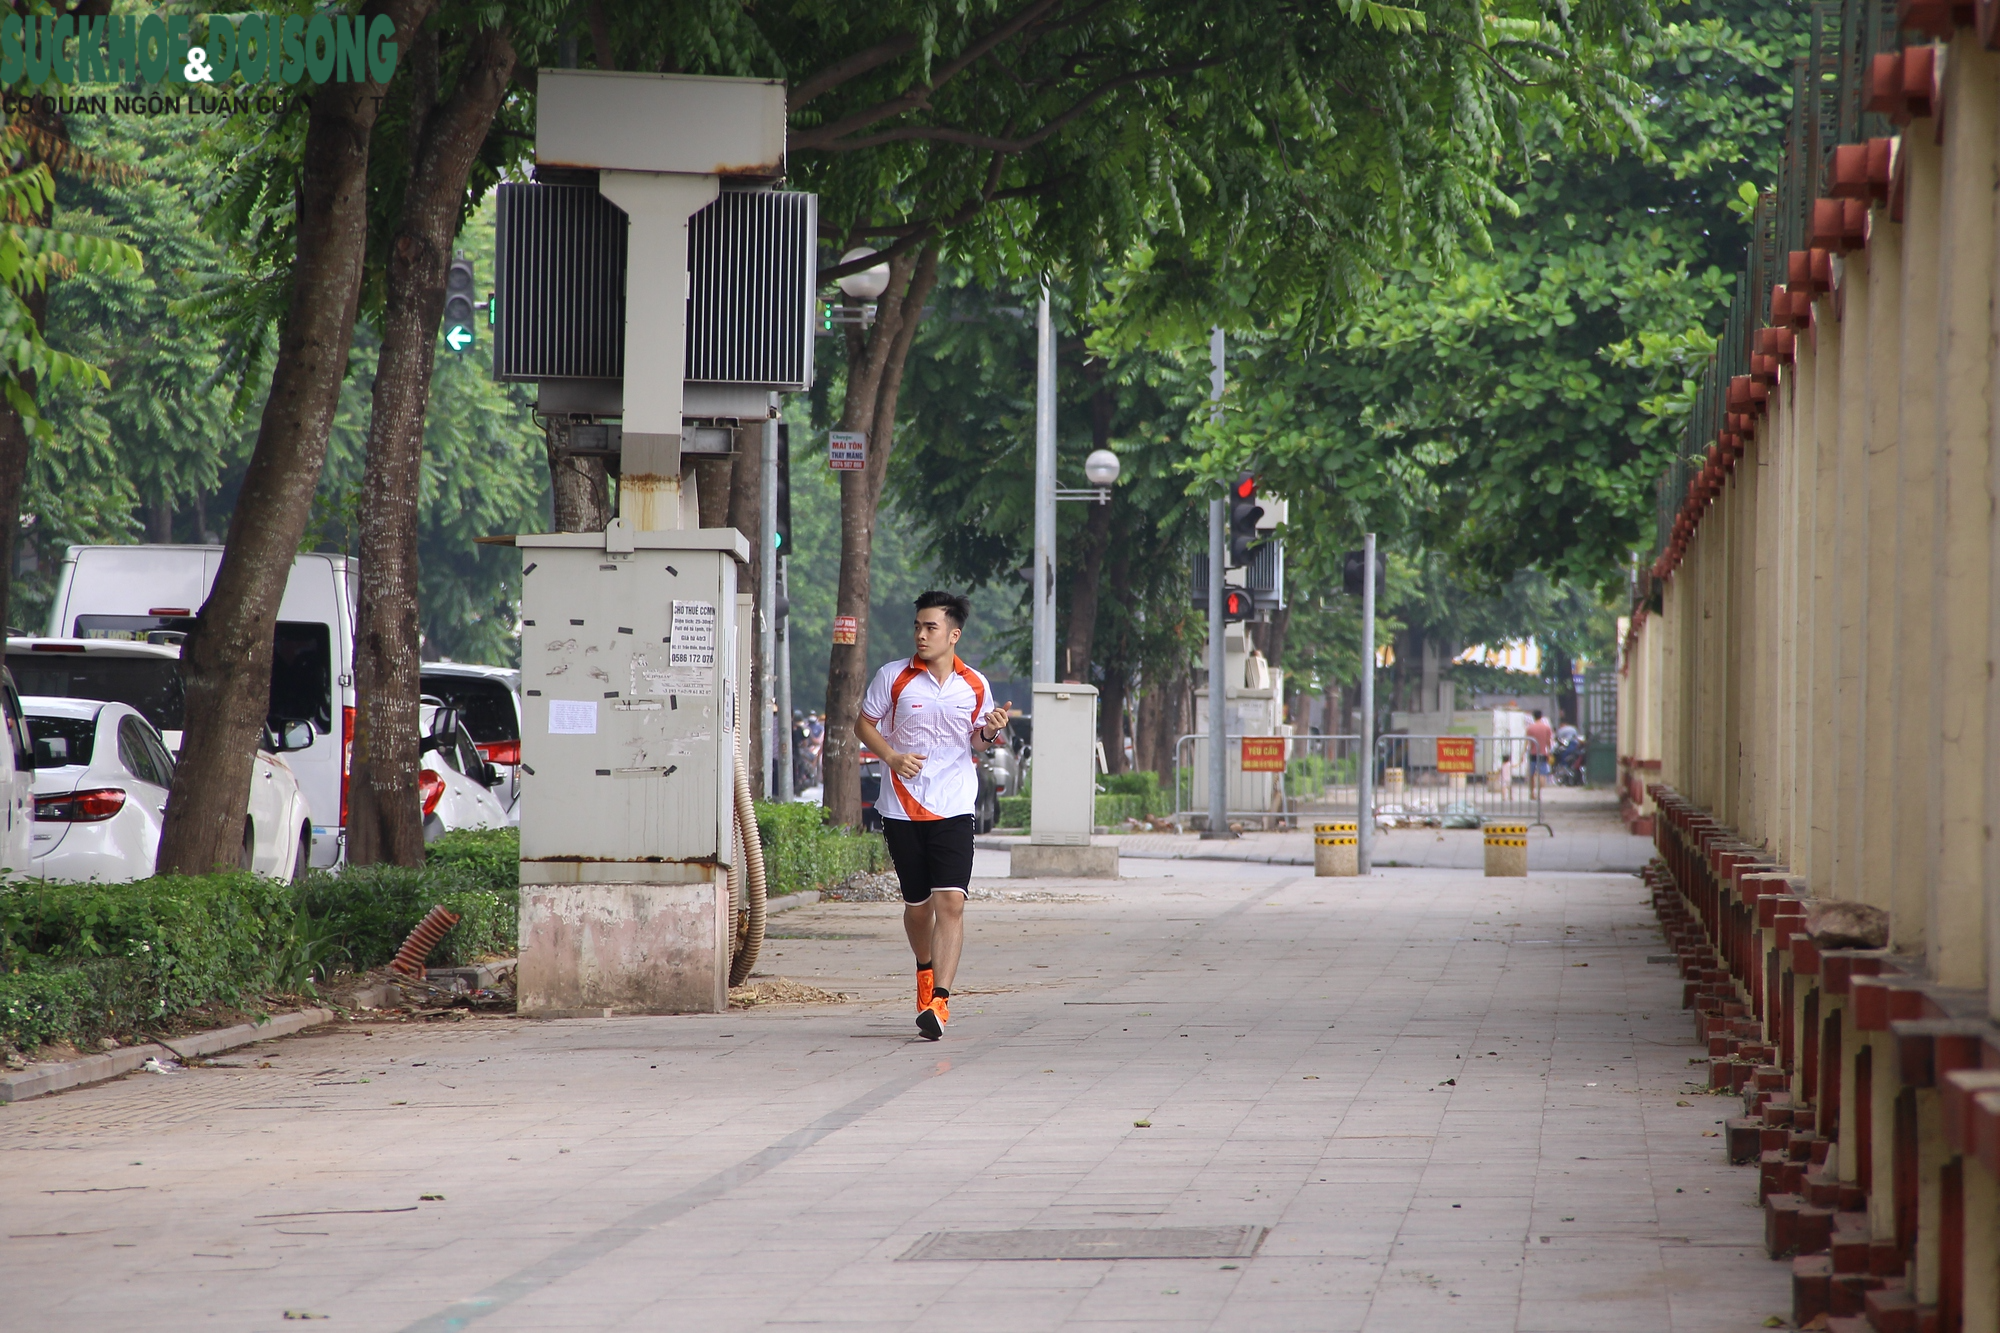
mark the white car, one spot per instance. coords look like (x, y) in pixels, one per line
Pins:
(458, 786)
(102, 774)
(488, 701)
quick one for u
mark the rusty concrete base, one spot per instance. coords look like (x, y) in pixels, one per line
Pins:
(1045, 861)
(629, 948)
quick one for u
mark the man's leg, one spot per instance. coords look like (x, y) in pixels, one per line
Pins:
(917, 924)
(947, 936)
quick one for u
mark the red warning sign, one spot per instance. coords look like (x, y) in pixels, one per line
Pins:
(843, 629)
(1455, 754)
(1263, 754)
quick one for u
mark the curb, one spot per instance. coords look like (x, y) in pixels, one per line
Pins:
(1274, 859)
(787, 901)
(112, 1064)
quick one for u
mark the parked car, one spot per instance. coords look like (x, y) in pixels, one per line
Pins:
(17, 781)
(101, 778)
(150, 594)
(488, 701)
(873, 770)
(1000, 770)
(146, 676)
(457, 785)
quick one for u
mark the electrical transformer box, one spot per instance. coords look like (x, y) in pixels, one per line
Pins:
(629, 704)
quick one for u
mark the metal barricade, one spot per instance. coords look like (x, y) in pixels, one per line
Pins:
(1455, 781)
(1276, 780)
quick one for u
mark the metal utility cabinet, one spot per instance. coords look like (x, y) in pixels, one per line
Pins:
(629, 671)
(632, 649)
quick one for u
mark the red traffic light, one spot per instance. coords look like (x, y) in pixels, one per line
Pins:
(1236, 606)
(1246, 486)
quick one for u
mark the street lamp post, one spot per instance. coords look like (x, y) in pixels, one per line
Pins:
(1218, 657)
(1044, 624)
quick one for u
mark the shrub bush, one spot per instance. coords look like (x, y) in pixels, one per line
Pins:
(1014, 811)
(369, 910)
(78, 961)
(61, 1004)
(488, 858)
(188, 939)
(802, 851)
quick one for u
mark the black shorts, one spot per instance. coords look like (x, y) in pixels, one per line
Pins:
(930, 854)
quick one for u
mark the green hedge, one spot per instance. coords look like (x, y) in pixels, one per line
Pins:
(80, 961)
(1125, 796)
(802, 851)
(186, 940)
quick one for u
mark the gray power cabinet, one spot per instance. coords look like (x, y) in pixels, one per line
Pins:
(629, 705)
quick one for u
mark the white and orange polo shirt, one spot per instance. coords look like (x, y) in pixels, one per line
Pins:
(919, 716)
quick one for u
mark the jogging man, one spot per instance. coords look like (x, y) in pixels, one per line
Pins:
(926, 716)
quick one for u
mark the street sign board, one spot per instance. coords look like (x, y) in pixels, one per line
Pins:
(1454, 754)
(1263, 754)
(847, 450)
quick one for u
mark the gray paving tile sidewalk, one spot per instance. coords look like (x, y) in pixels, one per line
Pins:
(1454, 1102)
(1583, 835)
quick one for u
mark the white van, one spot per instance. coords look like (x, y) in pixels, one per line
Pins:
(150, 594)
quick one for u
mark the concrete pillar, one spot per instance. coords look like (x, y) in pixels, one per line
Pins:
(1826, 613)
(1884, 260)
(1851, 533)
(1932, 1153)
(1956, 930)
(1982, 1246)
(1916, 740)
(1882, 1135)
(1761, 731)
(1802, 447)
(1783, 555)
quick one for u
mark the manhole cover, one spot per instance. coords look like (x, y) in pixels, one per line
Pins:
(1092, 1243)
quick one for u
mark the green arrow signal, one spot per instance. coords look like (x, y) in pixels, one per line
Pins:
(458, 337)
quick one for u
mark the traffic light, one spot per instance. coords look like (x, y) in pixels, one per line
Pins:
(459, 285)
(1237, 605)
(781, 540)
(1244, 515)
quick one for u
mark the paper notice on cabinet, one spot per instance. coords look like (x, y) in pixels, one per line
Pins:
(572, 717)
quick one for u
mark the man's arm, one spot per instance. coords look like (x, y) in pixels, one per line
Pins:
(904, 765)
(988, 730)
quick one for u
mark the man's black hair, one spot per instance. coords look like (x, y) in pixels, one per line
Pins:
(1538, 715)
(955, 605)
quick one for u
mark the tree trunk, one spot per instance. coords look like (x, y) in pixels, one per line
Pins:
(874, 378)
(15, 445)
(1274, 637)
(226, 661)
(1081, 638)
(711, 488)
(579, 488)
(385, 821)
(1117, 669)
(1564, 668)
(746, 515)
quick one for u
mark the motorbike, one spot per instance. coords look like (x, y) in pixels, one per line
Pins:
(1567, 762)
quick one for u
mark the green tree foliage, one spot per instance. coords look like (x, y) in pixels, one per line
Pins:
(158, 431)
(172, 425)
(965, 478)
(1510, 410)
(484, 475)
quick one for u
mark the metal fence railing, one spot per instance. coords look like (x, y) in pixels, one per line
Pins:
(1455, 781)
(1419, 781)
(1272, 778)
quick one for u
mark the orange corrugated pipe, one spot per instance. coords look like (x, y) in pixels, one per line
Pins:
(410, 958)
